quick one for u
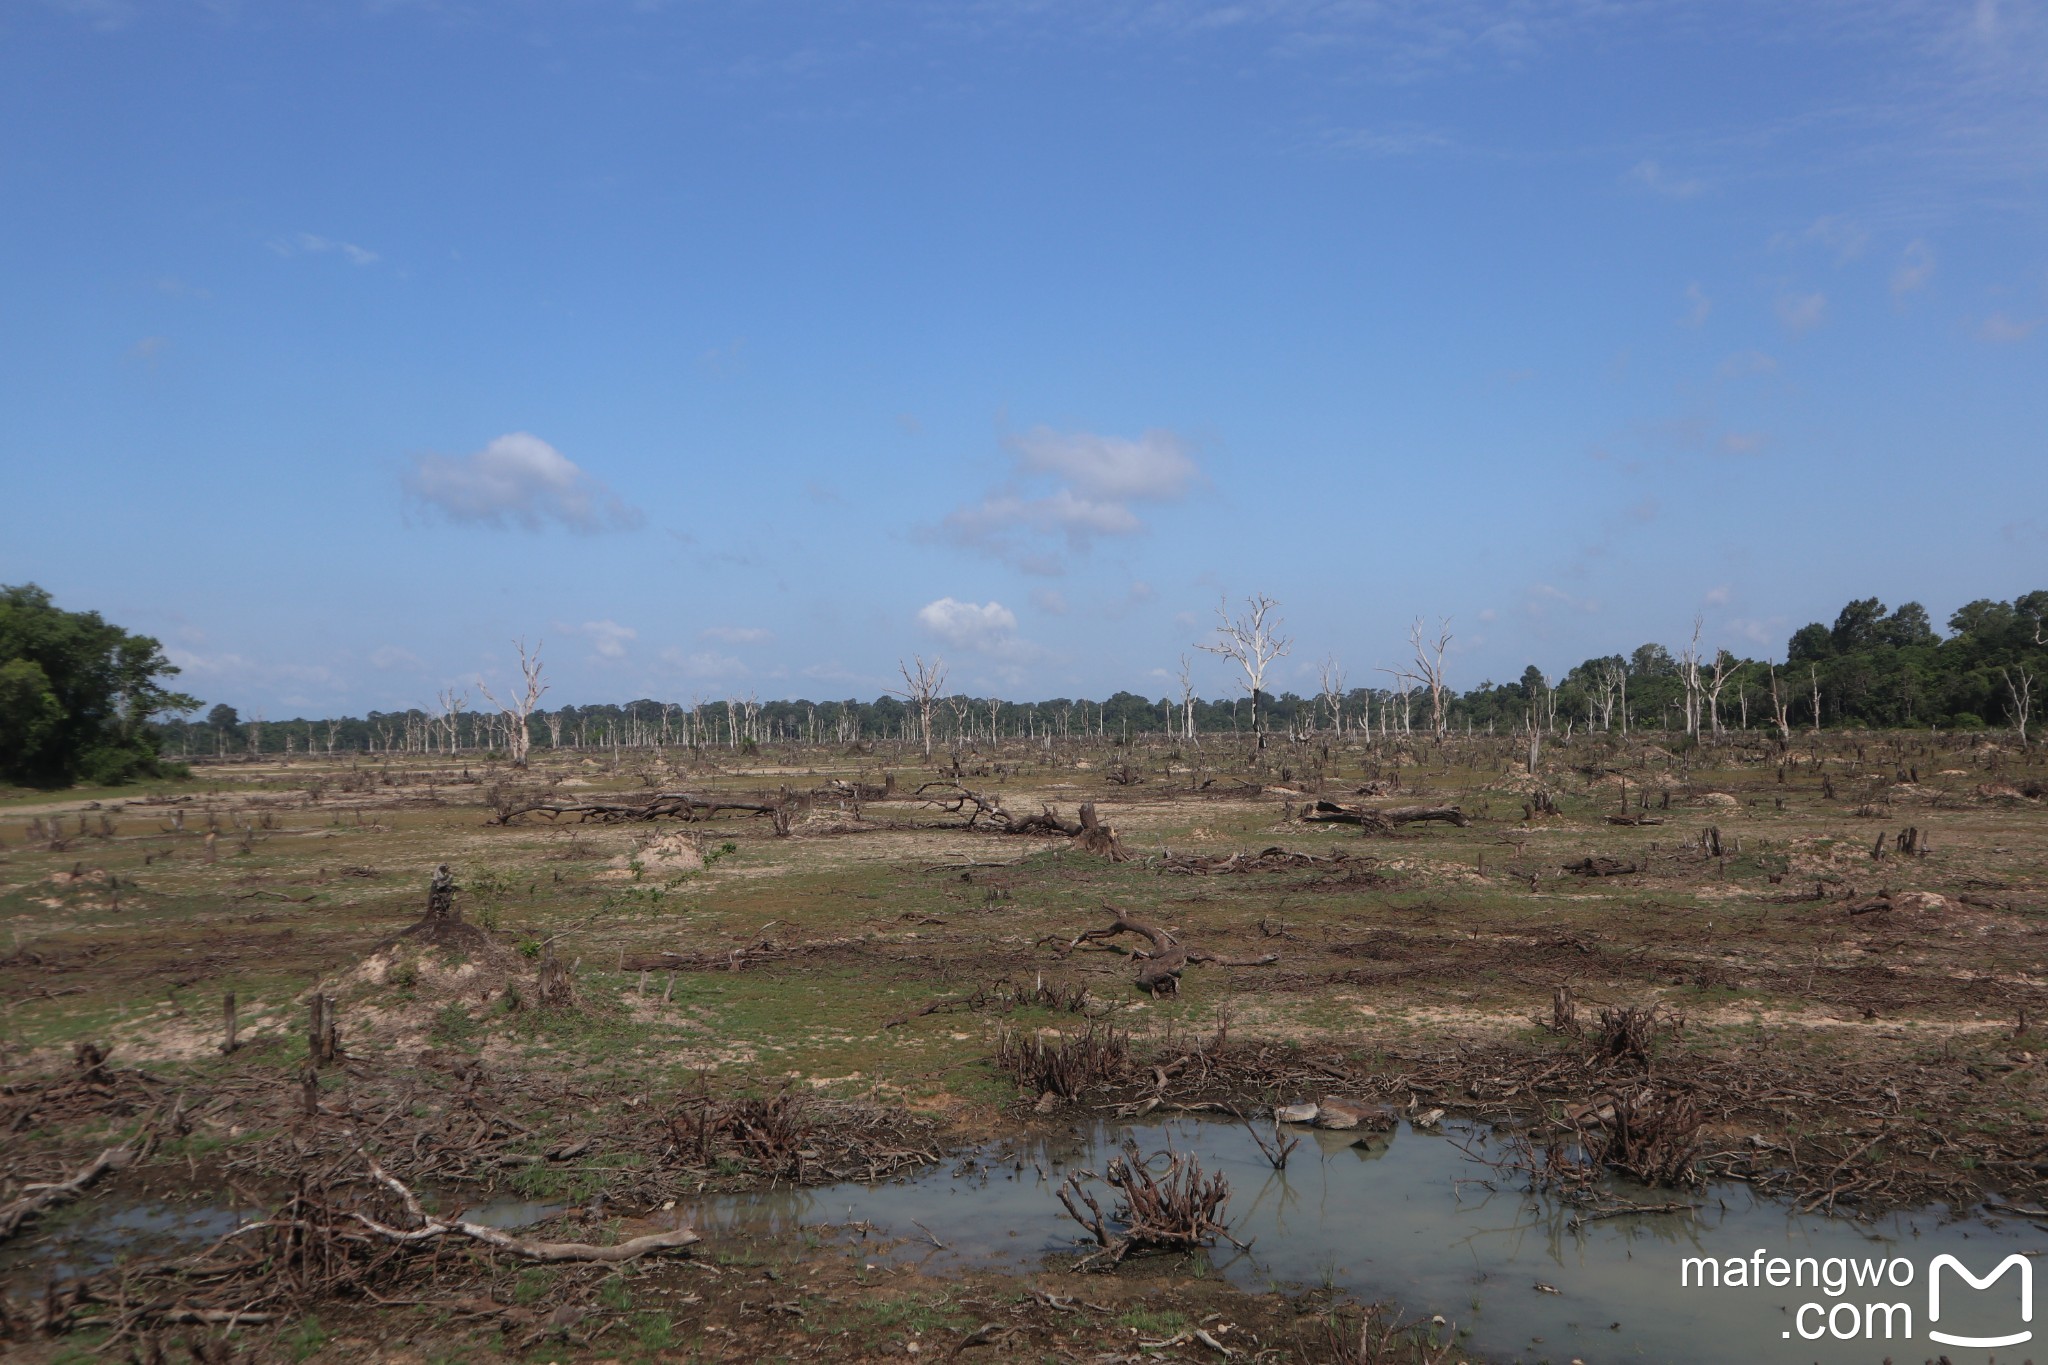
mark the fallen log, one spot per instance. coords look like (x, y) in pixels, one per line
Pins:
(1088, 832)
(1600, 867)
(1378, 820)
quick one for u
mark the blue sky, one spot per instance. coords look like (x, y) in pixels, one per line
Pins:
(736, 348)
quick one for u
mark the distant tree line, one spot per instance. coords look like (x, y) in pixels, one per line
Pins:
(83, 700)
(1872, 668)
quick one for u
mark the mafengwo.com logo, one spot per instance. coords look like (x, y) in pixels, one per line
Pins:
(1875, 1298)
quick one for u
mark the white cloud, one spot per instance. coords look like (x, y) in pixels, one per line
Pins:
(391, 656)
(2001, 328)
(607, 637)
(1720, 596)
(1915, 269)
(982, 628)
(1095, 481)
(1653, 177)
(517, 479)
(1050, 601)
(312, 244)
(1154, 467)
(1802, 312)
(737, 635)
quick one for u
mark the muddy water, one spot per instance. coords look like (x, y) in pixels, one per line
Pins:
(95, 1235)
(1412, 1216)
(1409, 1216)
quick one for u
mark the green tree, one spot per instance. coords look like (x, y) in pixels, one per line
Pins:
(77, 694)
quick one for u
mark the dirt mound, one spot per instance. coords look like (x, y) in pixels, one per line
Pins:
(666, 855)
(1719, 799)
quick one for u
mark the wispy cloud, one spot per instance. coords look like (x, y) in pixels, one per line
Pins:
(1802, 312)
(2005, 329)
(707, 664)
(1835, 234)
(312, 244)
(1746, 365)
(1742, 443)
(1698, 307)
(1385, 142)
(388, 657)
(607, 637)
(1072, 487)
(1914, 270)
(1651, 175)
(737, 635)
(517, 480)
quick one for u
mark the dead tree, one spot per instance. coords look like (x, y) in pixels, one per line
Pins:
(1779, 708)
(1689, 675)
(1612, 680)
(521, 706)
(921, 684)
(1187, 704)
(984, 810)
(1429, 669)
(1252, 642)
(2019, 685)
(1330, 681)
(1722, 660)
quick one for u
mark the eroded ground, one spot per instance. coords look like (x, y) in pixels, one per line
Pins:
(753, 1008)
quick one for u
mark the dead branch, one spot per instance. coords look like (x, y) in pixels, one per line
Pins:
(430, 1228)
(663, 806)
(1159, 970)
(35, 1198)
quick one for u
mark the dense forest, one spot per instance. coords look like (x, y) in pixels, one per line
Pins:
(1873, 667)
(81, 699)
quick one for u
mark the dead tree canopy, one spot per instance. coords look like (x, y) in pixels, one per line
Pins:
(985, 810)
(1378, 820)
(1159, 970)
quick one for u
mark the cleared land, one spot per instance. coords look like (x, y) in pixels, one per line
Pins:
(1814, 965)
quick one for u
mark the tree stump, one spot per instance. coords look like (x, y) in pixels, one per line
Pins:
(557, 985)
